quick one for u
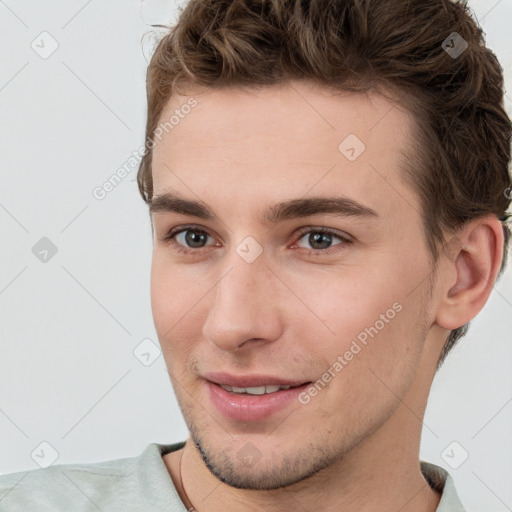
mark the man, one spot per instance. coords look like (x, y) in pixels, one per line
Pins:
(326, 188)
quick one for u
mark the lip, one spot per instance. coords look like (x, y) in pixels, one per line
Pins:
(249, 381)
(252, 408)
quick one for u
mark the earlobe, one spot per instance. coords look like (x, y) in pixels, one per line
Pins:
(477, 255)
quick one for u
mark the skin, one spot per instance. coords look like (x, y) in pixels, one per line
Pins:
(291, 312)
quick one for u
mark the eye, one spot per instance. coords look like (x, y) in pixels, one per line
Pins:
(187, 239)
(192, 239)
(321, 239)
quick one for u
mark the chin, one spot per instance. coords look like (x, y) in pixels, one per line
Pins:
(246, 468)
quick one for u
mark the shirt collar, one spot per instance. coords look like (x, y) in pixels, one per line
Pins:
(441, 481)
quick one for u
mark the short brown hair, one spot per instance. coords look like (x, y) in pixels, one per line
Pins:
(458, 159)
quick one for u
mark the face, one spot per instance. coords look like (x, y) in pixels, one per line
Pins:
(304, 265)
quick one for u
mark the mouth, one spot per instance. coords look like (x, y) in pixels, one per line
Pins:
(252, 398)
(259, 390)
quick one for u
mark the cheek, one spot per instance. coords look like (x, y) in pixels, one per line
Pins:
(370, 360)
(174, 294)
(344, 303)
(367, 316)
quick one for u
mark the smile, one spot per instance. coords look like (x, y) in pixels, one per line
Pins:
(258, 390)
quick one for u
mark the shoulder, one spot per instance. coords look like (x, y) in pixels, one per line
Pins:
(66, 486)
(122, 484)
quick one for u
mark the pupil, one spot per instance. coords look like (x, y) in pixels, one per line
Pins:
(314, 238)
(192, 238)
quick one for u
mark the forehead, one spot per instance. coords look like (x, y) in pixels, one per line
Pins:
(284, 141)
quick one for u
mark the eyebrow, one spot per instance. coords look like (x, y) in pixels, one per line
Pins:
(291, 209)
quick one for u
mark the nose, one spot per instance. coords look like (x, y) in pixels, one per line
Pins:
(245, 307)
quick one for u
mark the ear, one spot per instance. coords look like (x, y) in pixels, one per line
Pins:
(469, 273)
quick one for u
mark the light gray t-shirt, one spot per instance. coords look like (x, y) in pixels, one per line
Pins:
(139, 484)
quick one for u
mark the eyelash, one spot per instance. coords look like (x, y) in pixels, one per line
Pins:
(169, 238)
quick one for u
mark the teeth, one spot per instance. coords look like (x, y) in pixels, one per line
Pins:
(258, 390)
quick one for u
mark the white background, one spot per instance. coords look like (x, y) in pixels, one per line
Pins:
(69, 326)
